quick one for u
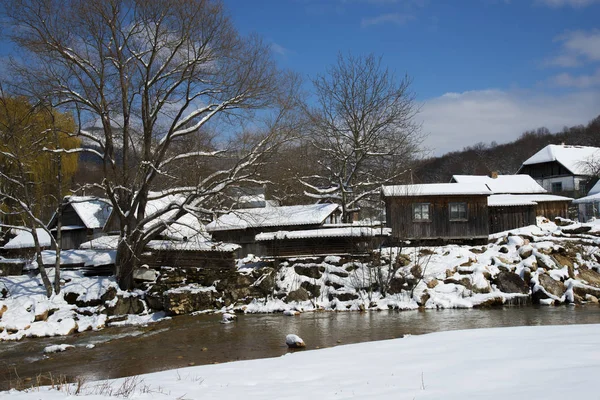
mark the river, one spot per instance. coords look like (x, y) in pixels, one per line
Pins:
(197, 340)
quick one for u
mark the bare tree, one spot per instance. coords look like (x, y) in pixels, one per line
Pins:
(363, 130)
(149, 73)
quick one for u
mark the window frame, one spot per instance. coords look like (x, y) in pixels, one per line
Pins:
(420, 207)
(558, 184)
(459, 218)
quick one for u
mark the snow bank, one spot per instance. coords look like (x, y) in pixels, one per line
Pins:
(493, 364)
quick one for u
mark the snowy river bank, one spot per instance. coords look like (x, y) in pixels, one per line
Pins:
(550, 362)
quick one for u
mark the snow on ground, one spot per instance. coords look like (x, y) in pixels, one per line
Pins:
(538, 362)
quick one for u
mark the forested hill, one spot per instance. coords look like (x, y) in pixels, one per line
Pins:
(482, 158)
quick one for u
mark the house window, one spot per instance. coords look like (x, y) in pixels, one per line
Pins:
(557, 187)
(458, 211)
(421, 212)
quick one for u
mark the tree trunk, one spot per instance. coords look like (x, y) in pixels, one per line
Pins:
(59, 213)
(40, 261)
(125, 264)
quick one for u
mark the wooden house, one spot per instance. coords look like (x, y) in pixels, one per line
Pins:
(83, 219)
(341, 240)
(562, 169)
(242, 226)
(589, 206)
(437, 212)
(517, 200)
(23, 246)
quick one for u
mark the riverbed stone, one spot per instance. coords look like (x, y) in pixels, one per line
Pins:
(491, 302)
(311, 271)
(589, 276)
(552, 286)
(178, 302)
(314, 290)
(526, 251)
(396, 285)
(126, 305)
(509, 282)
(299, 294)
(3, 309)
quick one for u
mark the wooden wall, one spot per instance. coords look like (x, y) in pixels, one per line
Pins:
(399, 217)
(319, 246)
(186, 259)
(553, 209)
(504, 218)
(544, 170)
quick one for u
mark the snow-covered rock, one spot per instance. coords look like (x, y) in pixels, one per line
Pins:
(294, 341)
(57, 348)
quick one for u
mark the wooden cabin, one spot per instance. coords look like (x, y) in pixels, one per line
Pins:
(242, 226)
(23, 246)
(342, 240)
(510, 212)
(83, 219)
(437, 212)
(562, 169)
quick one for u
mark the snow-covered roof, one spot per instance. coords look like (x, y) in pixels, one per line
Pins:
(195, 244)
(573, 158)
(595, 189)
(273, 216)
(186, 227)
(93, 211)
(24, 240)
(436, 189)
(588, 199)
(359, 231)
(498, 200)
(109, 242)
(504, 184)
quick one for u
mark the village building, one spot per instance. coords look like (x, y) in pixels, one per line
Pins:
(83, 219)
(589, 206)
(242, 226)
(517, 200)
(563, 169)
(442, 212)
(23, 245)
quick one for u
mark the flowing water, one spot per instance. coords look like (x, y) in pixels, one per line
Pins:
(196, 340)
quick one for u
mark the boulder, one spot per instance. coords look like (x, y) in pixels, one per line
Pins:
(559, 221)
(504, 250)
(591, 298)
(334, 285)
(416, 271)
(265, 285)
(145, 274)
(294, 342)
(402, 260)
(577, 230)
(341, 274)
(396, 285)
(432, 283)
(543, 262)
(299, 294)
(589, 276)
(311, 271)
(126, 305)
(525, 251)
(314, 290)
(509, 282)
(552, 286)
(492, 302)
(178, 302)
(344, 296)
(3, 310)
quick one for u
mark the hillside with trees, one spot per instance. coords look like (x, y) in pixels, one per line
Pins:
(483, 158)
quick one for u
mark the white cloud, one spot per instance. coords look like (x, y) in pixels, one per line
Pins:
(576, 81)
(577, 48)
(570, 3)
(456, 120)
(391, 18)
(279, 49)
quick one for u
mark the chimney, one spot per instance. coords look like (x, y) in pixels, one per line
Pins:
(494, 174)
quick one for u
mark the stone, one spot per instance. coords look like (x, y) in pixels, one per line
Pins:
(186, 301)
(423, 300)
(294, 342)
(578, 230)
(509, 282)
(314, 290)
(396, 285)
(432, 283)
(589, 276)
(503, 250)
(41, 316)
(334, 285)
(311, 271)
(563, 221)
(526, 251)
(402, 260)
(552, 286)
(542, 263)
(3, 310)
(492, 302)
(591, 298)
(265, 286)
(154, 301)
(345, 296)
(563, 260)
(145, 274)
(341, 274)
(126, 305)
(299, 294)
(416, 271)
(3, 291)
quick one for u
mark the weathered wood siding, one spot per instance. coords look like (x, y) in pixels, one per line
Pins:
(544, 170)
(319, 246)
(245, 236)
(553, 209)
(187, 259)
(504, 218)
(399, 217)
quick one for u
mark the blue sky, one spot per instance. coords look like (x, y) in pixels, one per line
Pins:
(482, 70)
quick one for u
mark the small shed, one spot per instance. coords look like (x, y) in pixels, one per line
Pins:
(83, 219)
(589, 206)
(318, 242)
(23, 246)
(437, 211)
(242, 226)
(510, 212)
